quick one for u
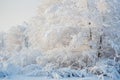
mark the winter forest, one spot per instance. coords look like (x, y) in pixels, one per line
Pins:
(66, 40)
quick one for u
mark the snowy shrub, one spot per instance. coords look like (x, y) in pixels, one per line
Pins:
(64, 58)
(25, 57)
(30, 68)
(39, 73)
(105, 69)
(66, 73)
(35, 70)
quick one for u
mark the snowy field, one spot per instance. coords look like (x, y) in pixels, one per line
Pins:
(20, 77)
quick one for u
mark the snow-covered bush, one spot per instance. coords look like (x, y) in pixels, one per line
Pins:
(30, 69)
(65, 58)
(65, 73)
(25, 57)
(36, 70)
(105, 69)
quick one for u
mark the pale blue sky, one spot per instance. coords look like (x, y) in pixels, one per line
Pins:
(14, 12)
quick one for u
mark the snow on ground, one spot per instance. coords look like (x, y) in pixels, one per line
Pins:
(22, 77)
(104, 70)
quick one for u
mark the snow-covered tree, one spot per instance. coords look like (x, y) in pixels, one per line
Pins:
(17, 38)
(2, 41)
(78, 25)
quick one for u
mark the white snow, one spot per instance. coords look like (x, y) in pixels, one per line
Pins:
(68, 39)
